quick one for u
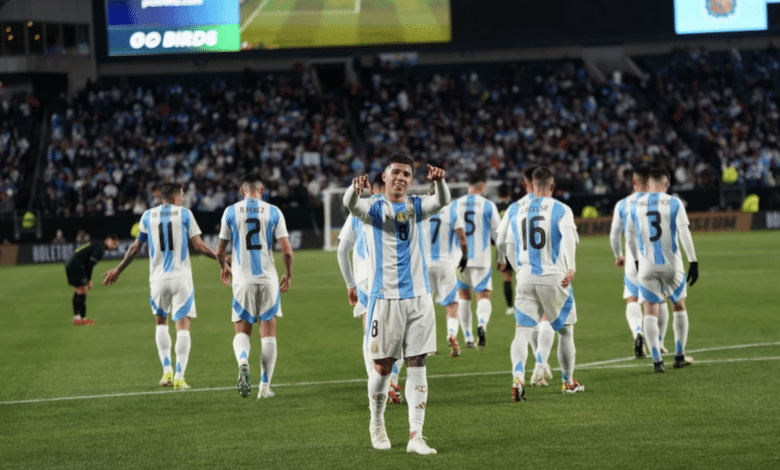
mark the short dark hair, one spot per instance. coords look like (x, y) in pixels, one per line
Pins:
(476, 178)
(504, 190)
(641, 173)
(528, 172)
(113, 236)
(169, 190)
(252, 178)
(378, 180)
(402, 158)
(659, 174)
(542, 175)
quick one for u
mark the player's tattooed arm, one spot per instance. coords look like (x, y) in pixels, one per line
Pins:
(201, 246)
(220, 253)
(111, 276)
(287, 258)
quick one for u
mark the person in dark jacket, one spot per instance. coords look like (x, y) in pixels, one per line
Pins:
(79, 271)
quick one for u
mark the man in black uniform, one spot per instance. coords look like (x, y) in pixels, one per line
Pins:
(503, 203)
(79, 272)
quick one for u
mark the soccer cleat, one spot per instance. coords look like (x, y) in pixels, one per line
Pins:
(481, 335)
(265, 392)
(379, 437)
(658, 367)
(574, 387)
(454, 348)
(180, 384)
(394, 397)
(167, 379)
(244, 387)
(510, 310)
(417, 445)
(537, 380)
(470, 345)
(77, 321)
(639, 346)
(663, 349)
(518, 392)
(682, 361)
(394, 386)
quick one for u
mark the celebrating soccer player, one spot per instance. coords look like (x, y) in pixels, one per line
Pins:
(251, 225)
(401, 321)
(657, 225)
(480, 217)
(166, 229)
(541, 248)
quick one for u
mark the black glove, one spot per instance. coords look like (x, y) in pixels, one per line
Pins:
(693, 272)
(462, 265)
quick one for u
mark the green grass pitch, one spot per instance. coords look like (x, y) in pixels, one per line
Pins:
(87, 397)
(278, 24)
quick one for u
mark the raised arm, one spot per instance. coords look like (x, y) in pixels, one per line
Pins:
(358, 207)
(111, 276)
(441, 196)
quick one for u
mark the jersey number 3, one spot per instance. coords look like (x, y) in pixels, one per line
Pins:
(656, 224)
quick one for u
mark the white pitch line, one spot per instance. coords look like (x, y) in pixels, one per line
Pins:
(609, 364)
(357, 6)
(253, 15)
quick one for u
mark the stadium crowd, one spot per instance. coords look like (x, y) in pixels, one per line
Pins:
(116, 141)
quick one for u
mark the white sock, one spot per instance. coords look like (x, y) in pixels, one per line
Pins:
(519, 353)
(663, 322)
(567, 353)
(183, 343)
(163, 339)
(680, 328)
(484, 309)
(241, 348)
(650, 324)
(464, 314)
(267, 360)
(546, 338)
(377, 396)
(367, 357)
(452, 327)
(534, 339)
(396, 370)
(416, 397)
(634, 317)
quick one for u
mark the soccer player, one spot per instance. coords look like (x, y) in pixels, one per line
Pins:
(352, 238)
(504, 201)
(167, 229)
(480, 216)
(251, 225)
(441, 231)
(78, 269)
(542, 336)
(627, 262)
(401, 320)
(657, 225)
(541, 246)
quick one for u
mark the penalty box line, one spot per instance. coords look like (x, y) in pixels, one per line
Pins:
(609, 364)
(262, 5)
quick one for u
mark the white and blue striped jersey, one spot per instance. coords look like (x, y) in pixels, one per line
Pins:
(480, 216)
(252, 226)
(658, 222)
(441, 242)
(503, 227)
(620, 225)
(540, 240)
(352, 233)
(167, 229)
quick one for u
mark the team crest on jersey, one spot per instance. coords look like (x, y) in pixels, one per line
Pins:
(374, 347)
(721, 8)
(401, 217)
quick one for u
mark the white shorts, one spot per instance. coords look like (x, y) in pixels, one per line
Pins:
(253, 302)
(362, 306)
(655, 284)
(477, 279)
(443, 282)
(173, 296)
(534, 300)
(630, 281)
(400, 328)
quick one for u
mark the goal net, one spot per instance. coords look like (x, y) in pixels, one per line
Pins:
(336, 214)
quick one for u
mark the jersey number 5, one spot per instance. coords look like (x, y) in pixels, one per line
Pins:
(536, 232)
(251, 233)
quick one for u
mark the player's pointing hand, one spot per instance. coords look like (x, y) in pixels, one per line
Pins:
(435, 173)
(360, 183)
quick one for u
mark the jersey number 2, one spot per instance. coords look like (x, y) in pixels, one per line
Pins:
(251, 233)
